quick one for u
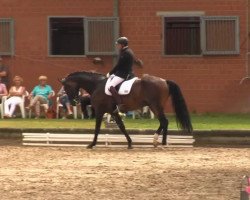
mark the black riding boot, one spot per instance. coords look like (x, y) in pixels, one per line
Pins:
(117, 99)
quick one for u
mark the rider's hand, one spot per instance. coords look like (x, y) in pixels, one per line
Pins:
(139, 62)
(108, 75)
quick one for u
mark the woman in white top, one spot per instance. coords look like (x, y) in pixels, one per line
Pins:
(15, 97)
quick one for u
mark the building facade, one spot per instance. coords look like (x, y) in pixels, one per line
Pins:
(202, 45)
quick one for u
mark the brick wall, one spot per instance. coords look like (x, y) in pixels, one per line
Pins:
(209, 83)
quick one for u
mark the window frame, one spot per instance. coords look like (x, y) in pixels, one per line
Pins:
(12, 35)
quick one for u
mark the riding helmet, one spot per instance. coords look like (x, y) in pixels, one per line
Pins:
(122, 40)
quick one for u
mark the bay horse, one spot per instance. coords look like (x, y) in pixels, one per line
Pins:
(148, 91)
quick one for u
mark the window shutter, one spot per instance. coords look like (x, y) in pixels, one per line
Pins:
(100, 35)
(6, 37)
(220, 35)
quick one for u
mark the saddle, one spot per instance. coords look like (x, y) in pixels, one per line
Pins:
(123, 88)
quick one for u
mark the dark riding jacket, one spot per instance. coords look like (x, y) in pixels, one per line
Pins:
(123, 68)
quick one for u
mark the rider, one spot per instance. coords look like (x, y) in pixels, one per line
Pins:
(122, 70)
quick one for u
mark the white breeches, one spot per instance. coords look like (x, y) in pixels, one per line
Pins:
(10, 105)
(112, 81)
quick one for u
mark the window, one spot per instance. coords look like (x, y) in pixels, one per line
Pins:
(182, 36)
(211, 35)
(82, 36)
(66, 36)
(6, 37)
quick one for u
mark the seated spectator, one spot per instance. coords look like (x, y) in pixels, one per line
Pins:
(15, 97)
(3, 73)
(64, 100)
(3, 91)
(86, 101)
(40, 95)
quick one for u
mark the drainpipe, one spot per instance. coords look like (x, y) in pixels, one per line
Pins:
(247, 46)
(116, 8)
(116, 14)
(247, 35)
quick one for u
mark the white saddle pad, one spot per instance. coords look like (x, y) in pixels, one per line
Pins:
(125, 87)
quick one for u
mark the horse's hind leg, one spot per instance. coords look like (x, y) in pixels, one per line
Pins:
(120, 124)
(164, 123)
(156, 135)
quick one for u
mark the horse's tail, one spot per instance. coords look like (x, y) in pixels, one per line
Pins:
(180, 107)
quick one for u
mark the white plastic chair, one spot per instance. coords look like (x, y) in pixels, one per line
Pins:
(41, 105)
(59, 105)
(22, 105)
(2, 106)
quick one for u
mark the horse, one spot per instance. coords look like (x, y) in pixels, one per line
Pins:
(149, 91)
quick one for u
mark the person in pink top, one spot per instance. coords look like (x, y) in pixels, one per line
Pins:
(15, 97)
(3, 91)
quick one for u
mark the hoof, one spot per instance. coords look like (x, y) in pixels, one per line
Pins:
(90, 146)
(130, 147)
(155, 140)
(155, 143)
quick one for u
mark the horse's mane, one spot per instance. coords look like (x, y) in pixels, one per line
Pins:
(92, 74)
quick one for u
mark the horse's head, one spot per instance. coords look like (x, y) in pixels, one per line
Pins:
(76, 80)
(72, 90)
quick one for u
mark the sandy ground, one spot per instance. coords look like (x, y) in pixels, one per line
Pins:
(117, 173)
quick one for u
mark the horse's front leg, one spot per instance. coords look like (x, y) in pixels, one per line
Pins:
(97, 130)
(120, 124)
